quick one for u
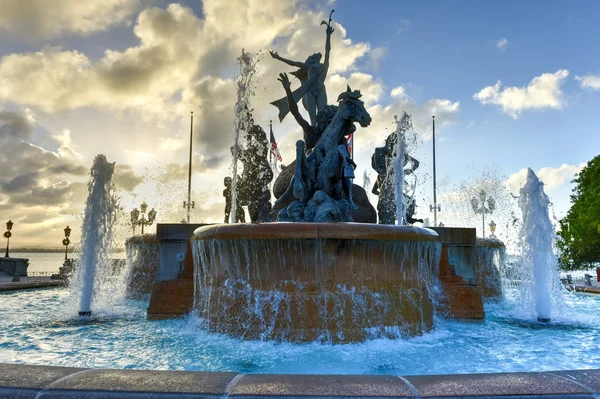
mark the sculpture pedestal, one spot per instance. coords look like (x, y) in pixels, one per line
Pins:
(14, 266)
(173, 291)
(461, 298)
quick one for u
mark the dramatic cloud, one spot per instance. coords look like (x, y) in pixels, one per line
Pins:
(553, 178)
(181, 62)
(376, 56)
(501, 44)
(590, 82)
(543, 91)
(35, 181)
(40, 19)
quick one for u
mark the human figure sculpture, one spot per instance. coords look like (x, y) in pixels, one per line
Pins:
(312, 74)
(324, 117)
(318, 186)
(240, 216)
(256, 177)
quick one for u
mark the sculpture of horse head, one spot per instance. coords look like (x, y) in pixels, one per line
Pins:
(352, 109)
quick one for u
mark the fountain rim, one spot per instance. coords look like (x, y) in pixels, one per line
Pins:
(489, 242)
(26, 379)
(137, 239)
(301, 230)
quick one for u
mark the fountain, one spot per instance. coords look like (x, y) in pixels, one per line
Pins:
(96, 237)
(322, 277)
(537, 246)
(316, 275)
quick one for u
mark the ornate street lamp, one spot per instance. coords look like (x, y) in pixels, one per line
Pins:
(492, 229)
(66, 240)
(7, 235)
(491, 205)
(135, 214)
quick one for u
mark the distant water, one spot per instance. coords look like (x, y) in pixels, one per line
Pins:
(49, 261)
(42, 261)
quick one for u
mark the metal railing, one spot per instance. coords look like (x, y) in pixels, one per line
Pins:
(41, 274)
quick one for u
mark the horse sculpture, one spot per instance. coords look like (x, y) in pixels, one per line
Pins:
(318, 183)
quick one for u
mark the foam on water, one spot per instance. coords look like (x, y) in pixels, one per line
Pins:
(36, 332)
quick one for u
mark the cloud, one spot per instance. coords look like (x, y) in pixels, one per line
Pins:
(40, 19)
(376, 56)
(553, 178)
(142, 78)
(181, 62)
(590, 82)
(31, 175)
(543, 91)
(501, 44)
(398, 92)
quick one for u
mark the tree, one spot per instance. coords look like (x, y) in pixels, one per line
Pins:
(579, 236)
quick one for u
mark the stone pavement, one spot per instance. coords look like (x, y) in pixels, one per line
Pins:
(36, 382)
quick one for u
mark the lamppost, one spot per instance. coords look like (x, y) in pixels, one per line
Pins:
(491, 205)
(492, 229)
(66, 240)
(143, 221)
(8, 234)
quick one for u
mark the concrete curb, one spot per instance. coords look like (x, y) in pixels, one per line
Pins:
(33, 382)
(26, 285)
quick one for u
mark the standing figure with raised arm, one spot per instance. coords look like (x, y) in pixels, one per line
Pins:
(312, 76)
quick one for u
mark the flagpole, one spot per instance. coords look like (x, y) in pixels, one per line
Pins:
(434, 178)
(189, 201)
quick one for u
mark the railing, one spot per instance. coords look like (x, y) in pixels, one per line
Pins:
(41, 274)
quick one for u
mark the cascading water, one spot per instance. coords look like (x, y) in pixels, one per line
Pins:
(142, 264)
(537, 246)
(96, 237)
(316, 289)
(245, 90)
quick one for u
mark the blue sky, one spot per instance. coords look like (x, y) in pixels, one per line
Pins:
(120, 77)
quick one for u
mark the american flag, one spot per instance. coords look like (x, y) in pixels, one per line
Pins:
(274, 149)
(350, 142)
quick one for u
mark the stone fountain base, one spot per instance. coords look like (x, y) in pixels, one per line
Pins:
(331, 282)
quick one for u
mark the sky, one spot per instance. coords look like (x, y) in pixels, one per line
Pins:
(513, 85)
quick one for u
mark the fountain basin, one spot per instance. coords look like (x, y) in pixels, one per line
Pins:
(329, 282)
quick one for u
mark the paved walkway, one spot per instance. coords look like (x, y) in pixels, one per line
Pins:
(583, 288)
(6, 283)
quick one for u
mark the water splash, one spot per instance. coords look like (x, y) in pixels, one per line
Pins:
(96, 237)
(537, 248)
(399, 168)
(245, 90)
(402, 190)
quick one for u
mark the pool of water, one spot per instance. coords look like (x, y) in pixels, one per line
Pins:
(41, 327)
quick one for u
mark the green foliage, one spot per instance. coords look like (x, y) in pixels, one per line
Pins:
(579, 236)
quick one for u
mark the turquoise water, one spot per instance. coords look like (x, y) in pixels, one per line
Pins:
(41, 327)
